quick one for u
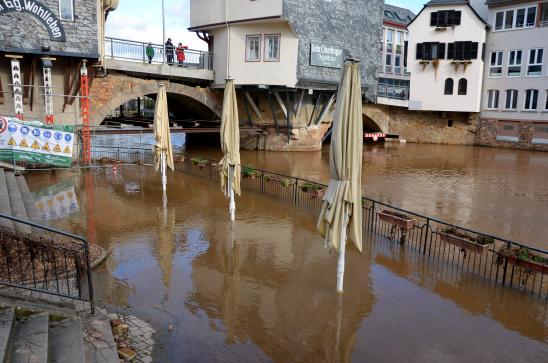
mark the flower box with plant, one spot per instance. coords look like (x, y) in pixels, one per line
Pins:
(462, 240)
(397, 219)
(315, 190)
(523, 257)
(200, 162)
(249, 172)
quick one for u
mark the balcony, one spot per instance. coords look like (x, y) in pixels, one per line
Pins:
(205, 14)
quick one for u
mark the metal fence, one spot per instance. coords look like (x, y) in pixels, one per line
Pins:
(136, 51)
(392, 91)
(498, 260)
(44, 260)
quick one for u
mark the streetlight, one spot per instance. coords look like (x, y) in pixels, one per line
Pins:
(164, 30)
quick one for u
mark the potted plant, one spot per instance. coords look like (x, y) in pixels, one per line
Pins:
(315, 190)
(523, 257)
(199, 162)
(424, 62)
(400, 220)
(464, 241)
(249, 172)
(466, 63)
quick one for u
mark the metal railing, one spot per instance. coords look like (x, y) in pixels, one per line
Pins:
(426, 237)
(137, 51)
(44, 260)
(391, 91)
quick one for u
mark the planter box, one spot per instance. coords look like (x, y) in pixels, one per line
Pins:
(397, 220)
(464, 243)
(527, 264)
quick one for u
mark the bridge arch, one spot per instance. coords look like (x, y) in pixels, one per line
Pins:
(111, 91)
(375, 118)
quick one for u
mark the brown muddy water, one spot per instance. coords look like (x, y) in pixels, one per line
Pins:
(502, 192)
(266, 292)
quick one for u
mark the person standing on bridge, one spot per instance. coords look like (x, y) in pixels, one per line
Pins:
(169, 51)
(181, 54)
(150, 52)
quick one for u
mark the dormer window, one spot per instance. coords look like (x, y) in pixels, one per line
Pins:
(445, 18)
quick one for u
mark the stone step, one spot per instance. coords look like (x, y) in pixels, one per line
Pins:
(16, 203)
(31, 340)
(7, 318)
(67, 341)
(5, 207)
(28, 200)
(99, 343)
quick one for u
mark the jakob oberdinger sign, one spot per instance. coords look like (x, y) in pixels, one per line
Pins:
(39, 11)
(326, 56)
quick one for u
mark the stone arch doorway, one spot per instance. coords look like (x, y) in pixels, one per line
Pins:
(110, 92)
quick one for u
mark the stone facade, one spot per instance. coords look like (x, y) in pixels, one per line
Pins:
(21, 32)
(487, 136)
(352, 25)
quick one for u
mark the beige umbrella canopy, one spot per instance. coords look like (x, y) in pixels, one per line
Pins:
(341, 214)
(163, 153)
(230, 145)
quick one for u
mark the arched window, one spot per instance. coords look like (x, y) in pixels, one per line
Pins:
(449, 86)
(463, 86)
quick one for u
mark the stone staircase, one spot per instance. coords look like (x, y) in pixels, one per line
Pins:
(35, 331)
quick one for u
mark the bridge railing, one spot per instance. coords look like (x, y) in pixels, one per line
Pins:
(131, 50)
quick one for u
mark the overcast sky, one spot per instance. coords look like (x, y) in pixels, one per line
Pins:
(142, 20)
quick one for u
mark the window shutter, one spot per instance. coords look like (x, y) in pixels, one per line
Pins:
(457, 18)
(474, 51)
(467, 50)
(449, 17)
(405, 45)
(451, 51)
(426, 51)
(419, 51)
(483, 52)
(441, 50)
(434, 18)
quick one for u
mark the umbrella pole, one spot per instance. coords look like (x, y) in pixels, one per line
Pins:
(232, 205)
(163, 165)
(342, 253)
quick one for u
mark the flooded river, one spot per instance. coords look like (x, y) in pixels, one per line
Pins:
(266, 292)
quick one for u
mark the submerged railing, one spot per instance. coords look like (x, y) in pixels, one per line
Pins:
(464, 250)
(44, 260)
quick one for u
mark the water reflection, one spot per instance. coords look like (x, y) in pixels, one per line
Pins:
(265, 292)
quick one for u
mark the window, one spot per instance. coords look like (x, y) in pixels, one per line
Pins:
(508, 131)
(66, 10)
(543, 14)
(463, 86)
(389, 41)
(462, 50)
(511, 99)
(388, 68)
(399, 42)
(495, 67)
(516, 18)
(272, 47)
(444, 18)
(514, 63)
(493, 99)
(397, 64)
(253, 48)
(430, 51)
(531, 99)
(448, 86)
(535, 62)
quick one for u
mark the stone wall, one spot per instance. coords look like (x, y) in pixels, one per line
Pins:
(487, 136)
(23, 33)
(352, 25)
(424, 126)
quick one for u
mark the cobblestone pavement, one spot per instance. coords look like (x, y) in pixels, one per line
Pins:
(140, 336)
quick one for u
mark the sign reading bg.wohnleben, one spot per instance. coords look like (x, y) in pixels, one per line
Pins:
(33, 142)
(326, 56)
(40, 12)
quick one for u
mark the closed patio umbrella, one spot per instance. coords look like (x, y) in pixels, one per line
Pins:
(230, 145)
(341, 214)
(163, 153)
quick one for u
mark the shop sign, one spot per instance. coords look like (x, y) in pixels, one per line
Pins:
(326, 56)
(40, 12)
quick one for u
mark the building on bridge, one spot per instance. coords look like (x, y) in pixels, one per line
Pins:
(286, 58)
(43, 46)
(393, 86)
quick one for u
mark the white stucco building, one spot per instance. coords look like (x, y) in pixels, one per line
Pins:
(445, 57)
(515, 92)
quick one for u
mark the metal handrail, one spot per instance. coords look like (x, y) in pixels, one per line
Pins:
(116, 48)
(84, 247)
